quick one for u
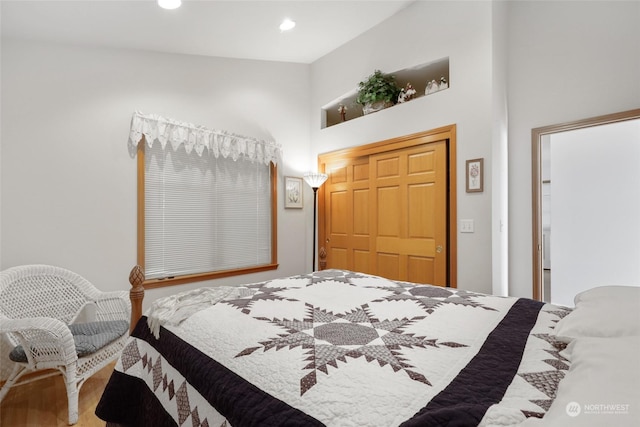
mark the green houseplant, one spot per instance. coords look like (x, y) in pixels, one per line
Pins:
(378, 91)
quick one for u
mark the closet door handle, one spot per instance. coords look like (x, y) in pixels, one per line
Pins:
(439, 249)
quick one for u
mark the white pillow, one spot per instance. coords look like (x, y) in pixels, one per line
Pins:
(86, 313)
(607, 311)
(601, 387)
(614, 294)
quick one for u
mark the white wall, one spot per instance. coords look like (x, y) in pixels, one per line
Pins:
(567, 61)
(68, 181)
(421, 33)
(595, 184)
(500, 153)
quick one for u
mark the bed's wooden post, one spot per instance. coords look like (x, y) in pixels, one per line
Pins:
(136, 295)
(323, 258)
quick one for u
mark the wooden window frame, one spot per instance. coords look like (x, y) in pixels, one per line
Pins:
(190, 278)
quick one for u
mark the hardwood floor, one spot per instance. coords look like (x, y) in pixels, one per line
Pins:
(43, 403)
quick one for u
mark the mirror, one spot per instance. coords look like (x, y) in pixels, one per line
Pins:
(541, 192)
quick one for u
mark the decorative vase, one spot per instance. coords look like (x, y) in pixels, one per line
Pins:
(372, 107)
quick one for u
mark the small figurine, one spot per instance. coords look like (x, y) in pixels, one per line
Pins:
(432, 87)
(343, 112)
(406, 93)
(443, 83)
(409, 91)
(402, 96)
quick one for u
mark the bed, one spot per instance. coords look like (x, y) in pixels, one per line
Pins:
(342, 348)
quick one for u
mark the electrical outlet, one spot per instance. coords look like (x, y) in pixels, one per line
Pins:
(466, 226)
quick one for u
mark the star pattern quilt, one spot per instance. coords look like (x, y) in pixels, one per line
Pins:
(341, 348)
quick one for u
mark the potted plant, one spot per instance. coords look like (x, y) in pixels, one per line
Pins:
(378, 91)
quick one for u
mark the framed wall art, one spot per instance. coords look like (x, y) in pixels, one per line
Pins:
(292, 192)
(475, 175)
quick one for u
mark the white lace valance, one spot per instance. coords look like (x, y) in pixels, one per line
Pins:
(218, 143)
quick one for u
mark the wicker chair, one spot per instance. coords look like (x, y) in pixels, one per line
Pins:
(40, 306)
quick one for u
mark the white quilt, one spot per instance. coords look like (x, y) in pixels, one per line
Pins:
(338, 348)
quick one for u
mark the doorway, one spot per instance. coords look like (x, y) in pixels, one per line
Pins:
(586, 200)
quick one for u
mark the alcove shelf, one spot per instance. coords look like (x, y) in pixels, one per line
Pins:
(418, 76)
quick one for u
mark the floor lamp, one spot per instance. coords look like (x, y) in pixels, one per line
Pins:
(315, 180)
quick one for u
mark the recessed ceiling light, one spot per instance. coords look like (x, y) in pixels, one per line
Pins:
(169, 4)
(287, 25)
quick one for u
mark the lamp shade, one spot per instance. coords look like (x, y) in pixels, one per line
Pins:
(315, 179)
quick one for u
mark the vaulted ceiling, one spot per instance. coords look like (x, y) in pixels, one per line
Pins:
(234, 29)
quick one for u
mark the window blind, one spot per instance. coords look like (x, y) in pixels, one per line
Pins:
(203, 213)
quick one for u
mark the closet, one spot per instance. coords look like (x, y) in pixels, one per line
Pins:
(388, 208)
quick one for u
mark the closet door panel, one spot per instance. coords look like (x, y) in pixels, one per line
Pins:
(347, 226)
(409, 213)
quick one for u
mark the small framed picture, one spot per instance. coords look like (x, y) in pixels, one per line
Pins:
(475, 179)
(292, 192)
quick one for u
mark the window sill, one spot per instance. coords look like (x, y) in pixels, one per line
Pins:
(179, 280)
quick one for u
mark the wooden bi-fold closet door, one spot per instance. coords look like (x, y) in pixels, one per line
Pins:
(386, 213)
(347, 215)
(408, 214)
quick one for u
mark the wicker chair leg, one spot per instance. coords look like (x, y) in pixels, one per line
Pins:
(16, 373)
(72, 397)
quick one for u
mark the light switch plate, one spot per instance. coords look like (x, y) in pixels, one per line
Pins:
(466, 226)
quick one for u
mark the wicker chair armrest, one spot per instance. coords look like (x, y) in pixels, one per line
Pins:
(113, 306)
(44, 339)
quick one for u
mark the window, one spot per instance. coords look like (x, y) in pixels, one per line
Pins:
(202, 216)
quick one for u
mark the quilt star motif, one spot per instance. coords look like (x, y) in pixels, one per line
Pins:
(347, 327)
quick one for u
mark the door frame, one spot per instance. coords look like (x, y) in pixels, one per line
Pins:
(447, 133)
(536, 182)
